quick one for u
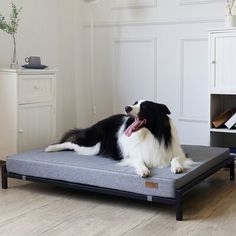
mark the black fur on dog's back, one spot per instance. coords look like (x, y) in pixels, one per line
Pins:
(104, 131)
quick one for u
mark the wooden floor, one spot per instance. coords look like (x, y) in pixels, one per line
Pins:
(36, 209)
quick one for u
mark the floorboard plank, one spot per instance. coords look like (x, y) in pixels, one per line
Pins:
(37, 209)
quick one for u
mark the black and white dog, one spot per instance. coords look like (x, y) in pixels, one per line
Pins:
(144, 138)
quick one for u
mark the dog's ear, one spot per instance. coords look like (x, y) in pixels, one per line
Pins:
(165, 109)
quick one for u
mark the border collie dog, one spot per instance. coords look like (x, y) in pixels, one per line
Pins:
(144, 138)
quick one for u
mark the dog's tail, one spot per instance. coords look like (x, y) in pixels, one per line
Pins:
(70, 136)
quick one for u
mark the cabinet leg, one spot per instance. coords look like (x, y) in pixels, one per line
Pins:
(4, 175)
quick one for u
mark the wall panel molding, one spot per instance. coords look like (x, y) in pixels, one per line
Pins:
(193, 119)
(124, 4)
(196, 2)
(156, 22)
(185, 117)
(116, 42)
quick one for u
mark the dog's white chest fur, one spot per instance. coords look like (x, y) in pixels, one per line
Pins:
(142, 146)
(142, 150)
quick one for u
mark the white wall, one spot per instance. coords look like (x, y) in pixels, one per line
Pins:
(47, 29)
(153, 49)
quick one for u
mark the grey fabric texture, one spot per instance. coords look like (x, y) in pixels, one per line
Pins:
(106, 173)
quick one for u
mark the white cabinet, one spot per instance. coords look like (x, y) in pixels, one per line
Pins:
(36, 125)
(28, 110)
(222, 68)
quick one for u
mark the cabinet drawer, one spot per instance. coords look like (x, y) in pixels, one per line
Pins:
(36, 88)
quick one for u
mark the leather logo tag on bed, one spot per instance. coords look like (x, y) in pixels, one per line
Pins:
(151, 184)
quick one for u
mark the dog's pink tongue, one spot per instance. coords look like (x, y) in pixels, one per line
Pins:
(134, 126)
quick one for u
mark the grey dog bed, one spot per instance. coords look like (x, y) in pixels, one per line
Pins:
(106, 173)
(103, 175)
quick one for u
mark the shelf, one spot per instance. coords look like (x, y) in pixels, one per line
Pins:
(223, 130)
(223, 93)
(222, 30)
(28, 71)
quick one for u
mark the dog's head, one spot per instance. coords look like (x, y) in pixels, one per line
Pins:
(147, 110)
(153, 116)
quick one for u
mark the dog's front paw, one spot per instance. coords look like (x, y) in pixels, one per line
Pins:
(143, 172)
(50, 148)
(177, 169)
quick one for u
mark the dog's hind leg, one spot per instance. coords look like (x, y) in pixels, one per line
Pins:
(93, 150)
(61, 147)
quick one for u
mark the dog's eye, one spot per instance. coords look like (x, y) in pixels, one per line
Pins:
(135, 103)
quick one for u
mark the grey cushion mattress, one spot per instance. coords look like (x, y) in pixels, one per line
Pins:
(104, 172)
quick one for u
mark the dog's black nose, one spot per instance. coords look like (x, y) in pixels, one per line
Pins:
(128, 109)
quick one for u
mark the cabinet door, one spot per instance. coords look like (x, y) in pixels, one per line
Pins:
(36, 126)
(223, 62)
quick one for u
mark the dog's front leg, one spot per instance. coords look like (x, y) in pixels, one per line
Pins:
(177, 165)
(141, 169)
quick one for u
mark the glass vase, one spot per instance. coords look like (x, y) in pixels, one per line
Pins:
(14, 62)
(230, 21)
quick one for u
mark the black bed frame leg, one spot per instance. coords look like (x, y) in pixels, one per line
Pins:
(179, 205)
(232, 170)
(4, 175)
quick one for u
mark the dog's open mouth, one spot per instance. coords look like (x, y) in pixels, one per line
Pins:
(138, 123)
